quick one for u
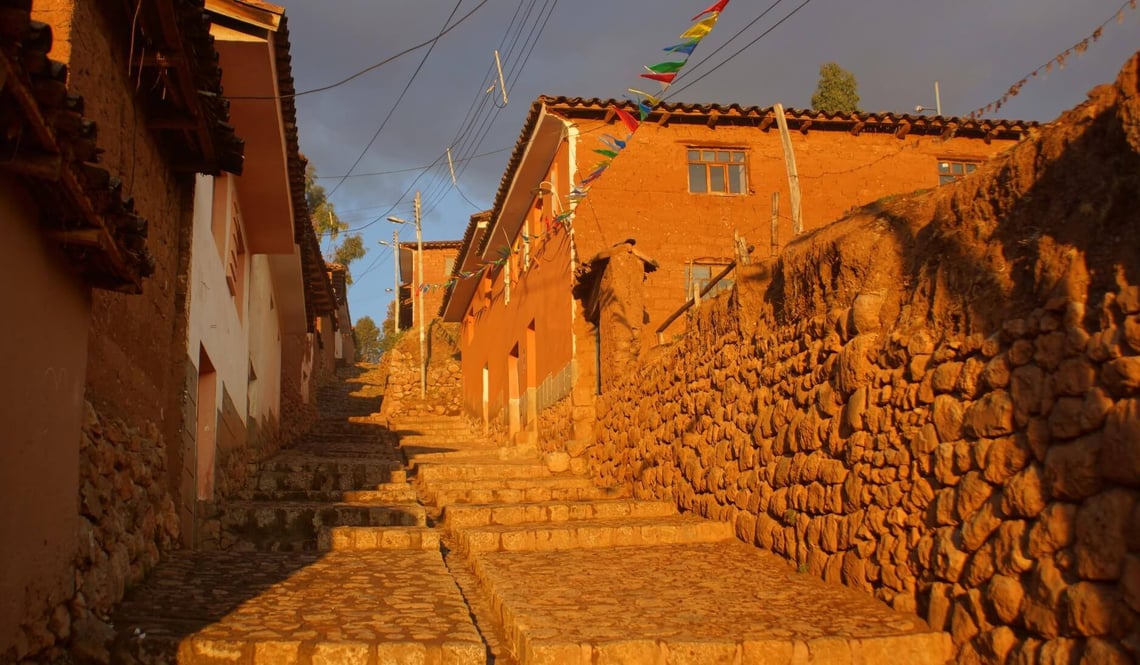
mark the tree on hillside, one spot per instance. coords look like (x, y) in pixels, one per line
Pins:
(391, 335)
(367, 337)
(837, 91)
(329, 226)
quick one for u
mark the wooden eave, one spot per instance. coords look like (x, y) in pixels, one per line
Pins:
(180, 81)
(49, 143)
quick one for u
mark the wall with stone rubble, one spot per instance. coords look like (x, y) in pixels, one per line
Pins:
(444, 376)
(936, 400)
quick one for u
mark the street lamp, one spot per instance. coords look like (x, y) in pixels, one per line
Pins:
(937, 102)
(418, 296)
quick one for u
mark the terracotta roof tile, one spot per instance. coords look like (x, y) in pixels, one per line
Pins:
(596, 108)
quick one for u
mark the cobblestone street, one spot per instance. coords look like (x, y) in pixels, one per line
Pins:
(448, 548)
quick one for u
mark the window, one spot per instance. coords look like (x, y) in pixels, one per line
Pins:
(717, 172)
(698, 275)
(951, 170)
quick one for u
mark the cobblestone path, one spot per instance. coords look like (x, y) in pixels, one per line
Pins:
(486, 556)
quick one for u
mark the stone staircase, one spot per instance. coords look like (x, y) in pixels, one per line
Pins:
(559, 571)
(324, 559)
(425, 543)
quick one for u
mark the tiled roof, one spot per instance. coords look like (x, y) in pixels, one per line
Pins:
(181, 85)
(761, 117)
(320, 297)
(461, 258)
(54, 149)
(434, 244)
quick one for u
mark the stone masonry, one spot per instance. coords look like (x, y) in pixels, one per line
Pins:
(936, 401)
(331, 556)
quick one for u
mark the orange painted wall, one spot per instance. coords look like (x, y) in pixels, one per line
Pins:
(644, 194)
(540, 293)
(437, 270)
(43, 360)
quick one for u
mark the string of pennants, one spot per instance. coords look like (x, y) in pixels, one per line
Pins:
(663, 73)
(1058, 61)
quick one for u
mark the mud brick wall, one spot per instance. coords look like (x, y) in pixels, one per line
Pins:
(936, 400)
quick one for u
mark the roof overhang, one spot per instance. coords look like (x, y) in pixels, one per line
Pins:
(249, 57)
(541, 149)
(460, 292)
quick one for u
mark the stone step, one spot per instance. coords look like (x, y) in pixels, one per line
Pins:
(558, 488)
(363, 538)
(340, 476)
(708, 603)
(329, 608)
(282, 526)
(593, 534)
(383, 494)
(480, 469)
(471, 515)
(419, 454)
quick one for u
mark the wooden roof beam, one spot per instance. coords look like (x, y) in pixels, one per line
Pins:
(903, 130)
(804, 126)
(663, 120)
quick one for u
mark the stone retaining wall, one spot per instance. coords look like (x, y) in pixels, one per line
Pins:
(936, 401)
(444, 379)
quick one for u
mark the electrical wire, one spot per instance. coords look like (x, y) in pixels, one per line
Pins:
(691, 69)
(396, 105)
(407, 170)
(431, 42)
(674, 92)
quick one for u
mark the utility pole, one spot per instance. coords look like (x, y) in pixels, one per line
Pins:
(419, 290)
(396, 275)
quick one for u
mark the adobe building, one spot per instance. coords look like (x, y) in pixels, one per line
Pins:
(127, 271)
(438, 263)
(97, 189)
(344, 342)
(691, 181)
(258, 286)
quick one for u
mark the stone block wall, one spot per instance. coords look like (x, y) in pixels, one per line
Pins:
(936, 400)
(444, 377)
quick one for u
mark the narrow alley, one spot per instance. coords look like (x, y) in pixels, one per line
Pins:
(448, 548)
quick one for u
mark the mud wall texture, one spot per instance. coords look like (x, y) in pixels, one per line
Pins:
(936, 400)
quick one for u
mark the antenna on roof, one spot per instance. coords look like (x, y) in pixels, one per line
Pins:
(502, 82)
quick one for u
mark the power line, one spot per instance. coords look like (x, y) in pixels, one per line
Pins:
(1059, 60)
(431, 42)
(407, 170)
(747, 46)
(399, 99)
(689, 70)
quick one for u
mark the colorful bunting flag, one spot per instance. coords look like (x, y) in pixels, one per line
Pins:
(716, 8)
(662, 72)
(700, 29)
(685, 47)
(664, 78)
(666, 67)
(631, 123)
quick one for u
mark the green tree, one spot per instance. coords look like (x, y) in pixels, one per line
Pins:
(391, 335)
(367, 337)
(837, 91)
(329, 226)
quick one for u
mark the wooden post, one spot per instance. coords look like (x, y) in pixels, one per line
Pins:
(775, 223)
(793, 174)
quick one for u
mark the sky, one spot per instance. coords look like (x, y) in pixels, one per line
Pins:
(897, 49)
